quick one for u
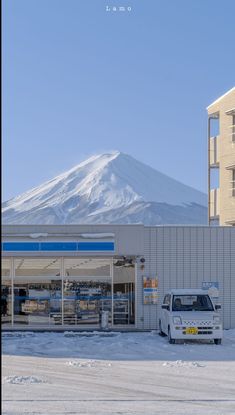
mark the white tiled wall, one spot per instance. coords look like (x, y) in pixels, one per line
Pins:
(183, 257)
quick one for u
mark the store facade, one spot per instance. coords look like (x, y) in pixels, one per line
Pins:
(63, 277)
(55, 291)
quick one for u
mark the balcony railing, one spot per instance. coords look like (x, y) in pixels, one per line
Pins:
(214, 151)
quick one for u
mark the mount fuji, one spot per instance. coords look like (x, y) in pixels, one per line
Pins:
(108, 188)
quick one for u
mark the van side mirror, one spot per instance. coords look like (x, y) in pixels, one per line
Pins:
(165, 307)
(218, 306)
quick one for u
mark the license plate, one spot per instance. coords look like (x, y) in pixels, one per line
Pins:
(191, 330)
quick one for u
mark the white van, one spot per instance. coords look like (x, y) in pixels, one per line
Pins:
(190, 314)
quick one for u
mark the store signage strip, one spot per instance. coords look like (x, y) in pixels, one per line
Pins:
(58, 246)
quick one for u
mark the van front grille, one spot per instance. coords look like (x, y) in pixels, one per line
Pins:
(197, 323)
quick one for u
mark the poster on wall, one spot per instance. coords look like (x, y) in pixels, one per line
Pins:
(212, 288)
(150, 290)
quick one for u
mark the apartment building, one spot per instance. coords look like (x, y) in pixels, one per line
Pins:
(221, 160)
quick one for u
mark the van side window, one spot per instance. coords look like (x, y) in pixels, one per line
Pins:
(167, 299)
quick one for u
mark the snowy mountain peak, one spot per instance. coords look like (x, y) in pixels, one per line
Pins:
(101, 186)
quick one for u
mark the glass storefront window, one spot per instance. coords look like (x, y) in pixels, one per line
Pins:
(6, 292)
(87, 290)
(94, 290)
(37, 291)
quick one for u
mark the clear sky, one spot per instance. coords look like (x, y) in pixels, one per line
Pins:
(79, 80)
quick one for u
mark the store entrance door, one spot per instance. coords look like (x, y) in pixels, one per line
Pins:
(123, 292)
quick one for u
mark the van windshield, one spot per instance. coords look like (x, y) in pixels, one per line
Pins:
(192, 303)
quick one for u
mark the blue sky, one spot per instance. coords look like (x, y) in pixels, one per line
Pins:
(78, 80)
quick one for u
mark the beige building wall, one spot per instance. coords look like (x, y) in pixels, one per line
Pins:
(222, 156)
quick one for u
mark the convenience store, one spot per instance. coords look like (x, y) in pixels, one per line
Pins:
(76, 277)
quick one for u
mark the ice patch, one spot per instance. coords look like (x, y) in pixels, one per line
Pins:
(88, 363)
(90, 334)
(22, 380)
(182, 363)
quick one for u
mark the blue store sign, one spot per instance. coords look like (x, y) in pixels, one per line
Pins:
(58, 246)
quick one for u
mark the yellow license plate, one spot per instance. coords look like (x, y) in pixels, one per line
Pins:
(191, 330)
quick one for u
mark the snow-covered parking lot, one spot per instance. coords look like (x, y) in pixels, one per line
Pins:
(116, 373)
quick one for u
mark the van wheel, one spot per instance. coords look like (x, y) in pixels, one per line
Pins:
(170, 340)
(161, 333)
(218, 341)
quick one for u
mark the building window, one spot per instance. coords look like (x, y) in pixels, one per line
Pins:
(214, 177)
(232, 125)
(233, 128)
(214, 125)
(233, 182)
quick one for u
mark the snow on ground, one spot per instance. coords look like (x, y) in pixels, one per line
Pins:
(19, 380)
(116, 373)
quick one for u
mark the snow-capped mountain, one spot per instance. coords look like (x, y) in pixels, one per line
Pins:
(109, 188)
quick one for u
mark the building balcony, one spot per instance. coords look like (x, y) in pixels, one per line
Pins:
(231, 113)
(214, 203)
(214, 151)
